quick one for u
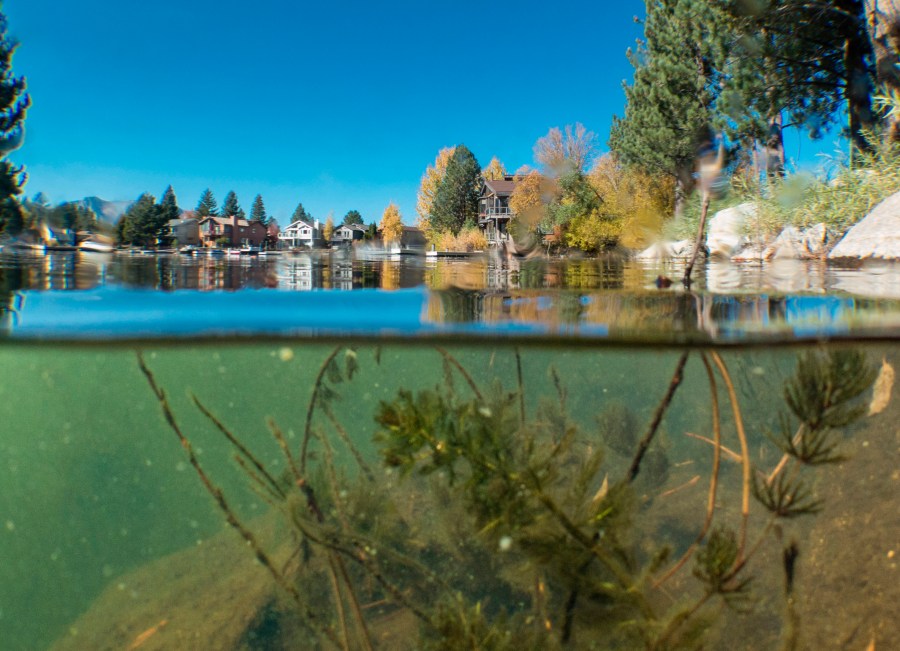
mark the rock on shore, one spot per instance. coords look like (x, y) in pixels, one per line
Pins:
(876, 236)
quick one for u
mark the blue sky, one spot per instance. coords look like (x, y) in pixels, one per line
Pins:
(339, 105)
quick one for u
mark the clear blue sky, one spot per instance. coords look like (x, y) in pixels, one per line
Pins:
(339, 105)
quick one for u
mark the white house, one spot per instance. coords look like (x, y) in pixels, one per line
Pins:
(348, 233)
(301, 233)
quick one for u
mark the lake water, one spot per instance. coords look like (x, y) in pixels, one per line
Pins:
(443, 457)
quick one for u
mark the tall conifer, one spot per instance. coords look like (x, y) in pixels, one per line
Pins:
(207, 206)
(258, 211)
(231, 207)
(14, 103)
(456, 199)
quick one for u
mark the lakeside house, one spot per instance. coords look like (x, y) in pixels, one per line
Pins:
(185, 232)
(494, 212)
(302, 233)
(348, 233)
(231, 231)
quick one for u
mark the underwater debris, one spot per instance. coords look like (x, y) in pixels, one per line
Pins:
(881, 392)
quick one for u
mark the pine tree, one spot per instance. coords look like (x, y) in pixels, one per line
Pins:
(231, 207)
(676, 80)
(14, 103)
(169, 205)
(258, 211)
(145, 222)
(800, 60)
(300, 213)
(353, 217)
(207, 206)
(456, 199)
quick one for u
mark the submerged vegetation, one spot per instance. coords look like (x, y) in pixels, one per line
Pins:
(485, 522)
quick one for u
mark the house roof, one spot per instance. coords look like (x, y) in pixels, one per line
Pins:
(354, 227)
(181, 222)
(299, 223)
(500, 187)
(228, 221)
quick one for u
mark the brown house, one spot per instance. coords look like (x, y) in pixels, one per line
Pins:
(494, 212)
(235, 232)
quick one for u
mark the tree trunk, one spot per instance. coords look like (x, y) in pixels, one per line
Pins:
(775, 147)
(883, 24)
(857, 51)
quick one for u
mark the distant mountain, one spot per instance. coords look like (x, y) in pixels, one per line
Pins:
(106, 211)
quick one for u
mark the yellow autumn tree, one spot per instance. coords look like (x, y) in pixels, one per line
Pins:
(391, 226)
(530, 197)
(638, 202)
(495, 171)
(328, 229)
(431, 181)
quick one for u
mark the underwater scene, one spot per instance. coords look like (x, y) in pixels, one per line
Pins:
(300, 494)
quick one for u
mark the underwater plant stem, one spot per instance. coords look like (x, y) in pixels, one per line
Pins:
(521, 385)
(701, 227)
(645, 442)
(784, 458)
(731, 454)
(745, 452)
(285, 449)
(678, 620)
(462, 371)
(317, 385)
(354, 604)
(223, 505)
(338, 603)
(713, 479)
(238, 445)
(345, 438)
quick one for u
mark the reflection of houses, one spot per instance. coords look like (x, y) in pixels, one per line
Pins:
(301, 233)
(348, 233)
(232, 231)
(185, 231)
(494, 212)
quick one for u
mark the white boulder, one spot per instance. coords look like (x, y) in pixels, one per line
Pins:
(726, 229)
(876, 236)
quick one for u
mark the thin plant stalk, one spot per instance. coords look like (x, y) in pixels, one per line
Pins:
(223, 505)
(462, 371)
(317, 386)
(745, 452)
(647, 439)
(713, 479)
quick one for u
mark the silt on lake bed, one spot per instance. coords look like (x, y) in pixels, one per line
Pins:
(422, 496)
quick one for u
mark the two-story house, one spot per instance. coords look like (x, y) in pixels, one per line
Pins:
(348, 233)
(494, 212)
(231, 231)
(301, 233)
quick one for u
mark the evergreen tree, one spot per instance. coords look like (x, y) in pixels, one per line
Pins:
(169, 205)
(258, 211)
(231, 207)
(300, 213)
(353, 217)
(803, 60)
(456, 199)
(207, 206)
(14, 103)
(676, 80)
(145, 222)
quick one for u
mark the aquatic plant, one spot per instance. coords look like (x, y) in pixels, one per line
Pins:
(488, 524)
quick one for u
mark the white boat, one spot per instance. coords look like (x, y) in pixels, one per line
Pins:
(94, 246)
